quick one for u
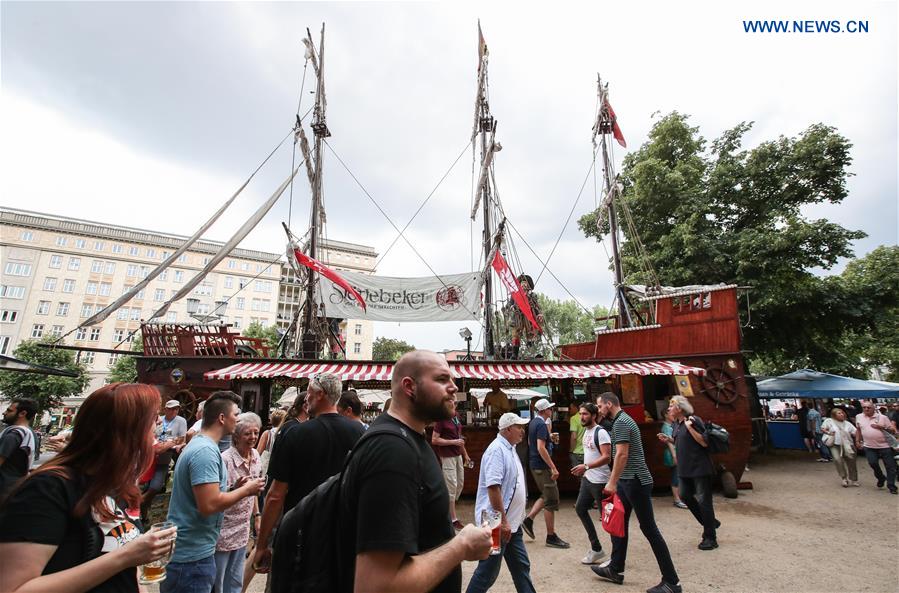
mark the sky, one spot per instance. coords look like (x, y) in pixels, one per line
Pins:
(151, 114)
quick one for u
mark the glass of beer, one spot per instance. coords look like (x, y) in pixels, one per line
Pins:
(492, 519)
(554, 437)
(154, 572)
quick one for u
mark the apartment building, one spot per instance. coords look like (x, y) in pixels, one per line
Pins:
(358, 334)
(57, 271)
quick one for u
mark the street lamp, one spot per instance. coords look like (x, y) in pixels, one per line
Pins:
(193, 308)
(466, 335)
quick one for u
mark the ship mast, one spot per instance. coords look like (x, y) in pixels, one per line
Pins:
(311, 343)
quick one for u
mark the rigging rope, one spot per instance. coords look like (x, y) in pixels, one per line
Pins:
(422, 205)
(393, 224)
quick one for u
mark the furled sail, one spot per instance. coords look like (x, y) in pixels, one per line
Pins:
(223, 252)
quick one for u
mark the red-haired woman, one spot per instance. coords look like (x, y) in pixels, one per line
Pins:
(60, 529)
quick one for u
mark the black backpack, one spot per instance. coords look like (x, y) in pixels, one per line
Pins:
(308, 551)
(717, 438)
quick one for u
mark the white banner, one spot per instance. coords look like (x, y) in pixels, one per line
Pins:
(452, 297)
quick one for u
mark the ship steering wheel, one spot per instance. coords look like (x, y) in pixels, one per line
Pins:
(719, 385)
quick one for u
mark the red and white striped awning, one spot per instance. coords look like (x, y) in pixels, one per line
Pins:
(489, 371)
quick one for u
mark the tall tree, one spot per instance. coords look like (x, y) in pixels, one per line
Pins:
(719, 213)
(47, 390)
(566, 322)
(389, 349)
(268, 333)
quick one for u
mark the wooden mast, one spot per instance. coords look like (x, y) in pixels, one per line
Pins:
(485, 124)
(311, 343)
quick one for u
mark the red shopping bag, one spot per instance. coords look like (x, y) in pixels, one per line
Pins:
(613, 516)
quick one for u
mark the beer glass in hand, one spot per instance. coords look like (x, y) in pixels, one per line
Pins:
(493, 519)
(154, 572)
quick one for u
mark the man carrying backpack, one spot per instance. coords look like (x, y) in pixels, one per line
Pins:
(394, 501)
(694, 468)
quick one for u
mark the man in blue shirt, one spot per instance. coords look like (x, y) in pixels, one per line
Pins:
(198, 498)
(501, 487)
(540, 450)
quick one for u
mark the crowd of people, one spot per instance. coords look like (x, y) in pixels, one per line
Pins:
(80, 521)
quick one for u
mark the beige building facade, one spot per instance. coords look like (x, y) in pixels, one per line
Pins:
(57, 271)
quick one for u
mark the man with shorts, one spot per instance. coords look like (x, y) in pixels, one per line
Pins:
(545, 474)
(450, 447)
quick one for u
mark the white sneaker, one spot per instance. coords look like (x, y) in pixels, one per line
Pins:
(593, 557)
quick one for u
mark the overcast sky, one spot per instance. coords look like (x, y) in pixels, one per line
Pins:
(152, 114)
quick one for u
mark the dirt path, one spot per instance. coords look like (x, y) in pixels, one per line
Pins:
(797, 530)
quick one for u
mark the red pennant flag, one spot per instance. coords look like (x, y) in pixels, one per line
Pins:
(505, 274)
(313, 264)
(616, 130)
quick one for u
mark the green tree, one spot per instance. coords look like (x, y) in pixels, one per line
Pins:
(268, 333)
(719, 213)
(389, 349)
(47, 390)
(566, 322)
(125, 368)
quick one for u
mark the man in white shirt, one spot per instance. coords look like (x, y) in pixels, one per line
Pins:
(595, 472)
(501, 487)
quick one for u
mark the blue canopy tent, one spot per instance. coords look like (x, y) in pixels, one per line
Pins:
(810, 384)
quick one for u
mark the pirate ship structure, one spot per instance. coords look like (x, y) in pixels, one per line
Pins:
(662, 341)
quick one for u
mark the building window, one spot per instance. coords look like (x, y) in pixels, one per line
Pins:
(179, 276)
(96, 266)
(229, 282)
(91, 288)
(241, 282)
(232, 265)
(163, 276)
(131, 271)
(263, 286)
(8, 316)
(4, 344)
(109, 267)
(79, 243)
(133, 250)
(117, 248)
(57, 331)
(68, 285)
(27, 236)
(98, 245)
(49, 284)
(151, 252)
(61, 241)
(203, 309)
(164, 255)
(245, 266)
(118, 335)
(113, 358)
(239, 303)
(16, 269)
(126, 288)
(37, 330)
(62, 309)
(43, 307)
(237, 322)
(55, 261)
(74, 263)
(87, 357)
(81, 333)
(182, 258)
(105, 288)
(357, 348)
(86, 310)
(95, 334)
(171, 317)
(135, 314)
(12, 292)
(204, 288)
(159, 295)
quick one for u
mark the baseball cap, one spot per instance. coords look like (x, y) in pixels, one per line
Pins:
(173, 403)
(543, 404)
(510, 418)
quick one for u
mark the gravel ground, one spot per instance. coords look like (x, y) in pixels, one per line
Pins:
(798, 530)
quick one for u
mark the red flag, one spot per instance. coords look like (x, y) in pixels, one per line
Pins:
(616, 131)
(313, 264)
(505, 274)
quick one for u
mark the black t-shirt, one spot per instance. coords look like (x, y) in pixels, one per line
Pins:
(16, 464)
(693, 460)
(397, 499)
(310, 452)
(802, 413)
(40, 512)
